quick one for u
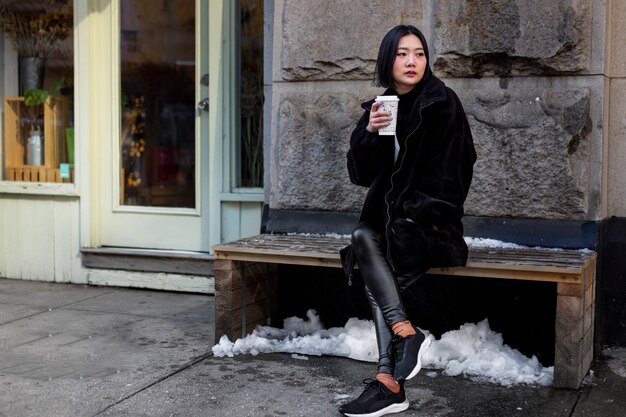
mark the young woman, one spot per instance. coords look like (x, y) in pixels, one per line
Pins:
(411, 218)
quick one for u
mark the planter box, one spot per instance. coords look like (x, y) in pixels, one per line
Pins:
(16, 131)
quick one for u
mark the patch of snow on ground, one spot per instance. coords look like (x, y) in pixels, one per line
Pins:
(617, 361)
(474, 350)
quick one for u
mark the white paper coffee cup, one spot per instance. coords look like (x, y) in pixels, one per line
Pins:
(390, 105)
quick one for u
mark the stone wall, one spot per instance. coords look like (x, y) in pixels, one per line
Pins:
(477, 38)
(616, 150)
(529, 73)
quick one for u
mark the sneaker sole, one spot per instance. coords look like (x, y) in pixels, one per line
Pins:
(393, 408)
(420, 353)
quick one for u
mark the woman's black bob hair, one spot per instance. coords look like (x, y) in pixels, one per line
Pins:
(383, 75)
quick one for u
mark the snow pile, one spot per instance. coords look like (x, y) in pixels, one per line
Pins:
(356, 340)
(473, 350)
(479, 353)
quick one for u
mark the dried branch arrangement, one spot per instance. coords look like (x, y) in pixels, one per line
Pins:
(35, 34)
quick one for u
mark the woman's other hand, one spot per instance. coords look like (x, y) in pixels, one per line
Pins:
(378, 118)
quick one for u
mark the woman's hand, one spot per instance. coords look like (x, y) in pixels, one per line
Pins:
(378, 119)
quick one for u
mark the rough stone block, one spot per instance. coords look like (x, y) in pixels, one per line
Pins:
(534, 152)
(314, 134)
(477, 38)
(343, 45)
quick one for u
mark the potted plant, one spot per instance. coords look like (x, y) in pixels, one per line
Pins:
(61, 87)
(34, 34)
(34, 99)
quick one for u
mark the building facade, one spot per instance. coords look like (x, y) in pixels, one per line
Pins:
(156, 175)
(543, 84)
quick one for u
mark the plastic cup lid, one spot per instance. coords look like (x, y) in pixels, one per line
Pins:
(387, 98)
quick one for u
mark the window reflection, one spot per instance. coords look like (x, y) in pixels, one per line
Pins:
(158, 103)
(251, 93)
(39, 109)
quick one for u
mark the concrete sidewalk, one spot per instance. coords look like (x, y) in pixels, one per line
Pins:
(68, 350)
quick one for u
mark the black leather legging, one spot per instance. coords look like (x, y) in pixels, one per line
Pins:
(383, 288)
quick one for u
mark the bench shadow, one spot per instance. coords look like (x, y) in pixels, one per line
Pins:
(522, 311)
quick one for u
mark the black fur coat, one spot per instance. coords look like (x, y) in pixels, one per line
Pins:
(416, 203)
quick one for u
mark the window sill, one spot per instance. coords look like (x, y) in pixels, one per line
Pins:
(39, 188)
(257, 197)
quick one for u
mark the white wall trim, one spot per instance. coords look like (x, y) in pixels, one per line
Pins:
(39, 188)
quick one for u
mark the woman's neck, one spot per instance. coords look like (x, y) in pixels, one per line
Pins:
(403, 91)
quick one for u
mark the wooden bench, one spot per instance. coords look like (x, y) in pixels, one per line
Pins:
(246, 296)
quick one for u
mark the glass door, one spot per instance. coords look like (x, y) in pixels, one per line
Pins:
(160, 118)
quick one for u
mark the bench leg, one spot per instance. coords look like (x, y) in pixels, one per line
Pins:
(574, 331)
(245, 296)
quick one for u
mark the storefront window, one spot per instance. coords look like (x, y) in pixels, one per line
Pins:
(157, 141)
(251, 93)
(38, 101)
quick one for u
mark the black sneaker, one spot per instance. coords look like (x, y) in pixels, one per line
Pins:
(408, 354)
(375, 401)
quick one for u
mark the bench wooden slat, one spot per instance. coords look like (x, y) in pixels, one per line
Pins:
(517, 263)
(294, 259)
(476, 270)
(331, 245)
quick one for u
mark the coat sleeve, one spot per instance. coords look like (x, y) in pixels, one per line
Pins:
(366, 151)
(441, 191)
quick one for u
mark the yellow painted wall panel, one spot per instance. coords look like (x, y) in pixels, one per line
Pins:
(67, 257)
(39, 238)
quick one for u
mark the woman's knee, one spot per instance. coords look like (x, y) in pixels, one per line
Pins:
(362, 235)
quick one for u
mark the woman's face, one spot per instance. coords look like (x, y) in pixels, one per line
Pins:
(409, 65)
